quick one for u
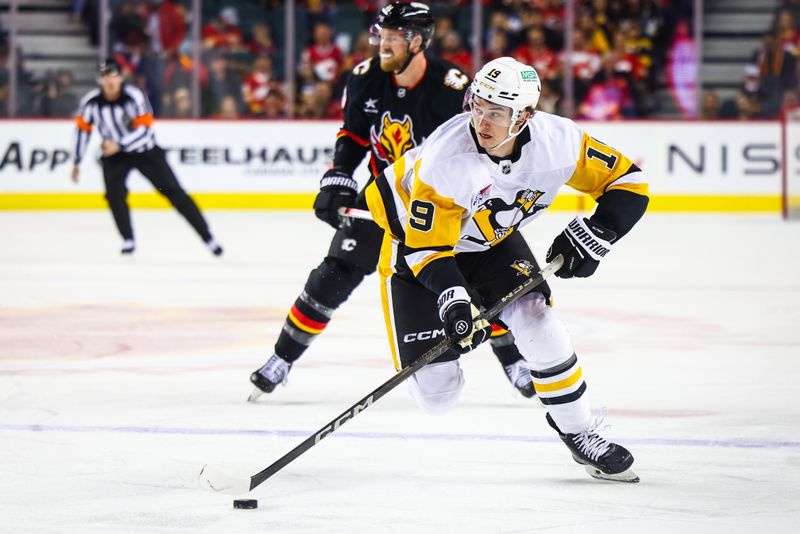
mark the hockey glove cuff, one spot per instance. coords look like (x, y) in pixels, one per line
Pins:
(583, 244)
(458, 315)
(337, 190)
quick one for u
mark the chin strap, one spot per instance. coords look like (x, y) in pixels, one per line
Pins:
(411, 56)
(509, 137)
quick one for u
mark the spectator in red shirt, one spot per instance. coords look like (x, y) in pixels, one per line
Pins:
(536, 54)
(224, 32)
(325, 57)
(168, 27)
(257, 85)
(585, 65)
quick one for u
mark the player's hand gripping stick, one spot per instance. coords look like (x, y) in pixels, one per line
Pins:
(583, 243)
(461, 320)
(337, 190)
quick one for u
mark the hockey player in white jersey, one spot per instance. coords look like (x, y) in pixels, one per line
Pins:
(452, 208)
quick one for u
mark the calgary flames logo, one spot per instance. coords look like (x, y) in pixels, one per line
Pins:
(495, 219)
(394, 139)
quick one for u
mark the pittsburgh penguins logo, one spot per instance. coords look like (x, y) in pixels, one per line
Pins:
(496, 219)
(393, 138)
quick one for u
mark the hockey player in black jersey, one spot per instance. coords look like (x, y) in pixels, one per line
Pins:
(392, 102)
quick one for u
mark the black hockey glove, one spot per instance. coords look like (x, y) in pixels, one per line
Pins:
(458, 315)
(337, 190)
(583, 244)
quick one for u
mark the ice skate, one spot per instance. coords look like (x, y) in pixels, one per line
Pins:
(266, 379)
(214, 247)
(601, 458)
(519, 374)
(128, 246)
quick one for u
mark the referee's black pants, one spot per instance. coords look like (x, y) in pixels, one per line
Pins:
(153, 166)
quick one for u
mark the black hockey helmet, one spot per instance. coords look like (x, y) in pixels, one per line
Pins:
(108, 66)
(414, 18)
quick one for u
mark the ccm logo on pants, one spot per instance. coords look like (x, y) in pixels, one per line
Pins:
(423, 336)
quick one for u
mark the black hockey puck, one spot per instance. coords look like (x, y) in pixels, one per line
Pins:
(245, 504)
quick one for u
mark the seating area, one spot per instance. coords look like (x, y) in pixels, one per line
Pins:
(620, 58)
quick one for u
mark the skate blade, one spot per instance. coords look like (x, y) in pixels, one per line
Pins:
(625, 476)
(254, 396)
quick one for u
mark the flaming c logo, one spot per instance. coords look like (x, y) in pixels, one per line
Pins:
(394, 138)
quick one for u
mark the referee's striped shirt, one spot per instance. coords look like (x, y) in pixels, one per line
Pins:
(128, 121)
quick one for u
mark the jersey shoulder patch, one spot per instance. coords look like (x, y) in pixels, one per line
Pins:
(455, 79)
(362, 68)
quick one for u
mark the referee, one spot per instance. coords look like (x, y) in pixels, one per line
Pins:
(125, 120)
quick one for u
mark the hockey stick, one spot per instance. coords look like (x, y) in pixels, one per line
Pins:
(214, 479)
(355, 213)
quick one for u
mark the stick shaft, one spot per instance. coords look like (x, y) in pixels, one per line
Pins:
(401, 376)
(355, 213)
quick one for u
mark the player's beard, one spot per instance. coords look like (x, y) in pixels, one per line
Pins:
(394, 63)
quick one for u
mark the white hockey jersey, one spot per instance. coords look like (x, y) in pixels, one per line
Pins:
(448, 196)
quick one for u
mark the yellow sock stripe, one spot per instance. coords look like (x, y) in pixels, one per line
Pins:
(307, 329)
(561, 384)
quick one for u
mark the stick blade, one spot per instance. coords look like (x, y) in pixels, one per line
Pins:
(218, 481)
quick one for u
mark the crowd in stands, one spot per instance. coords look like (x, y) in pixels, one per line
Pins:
(615, 61)
(770, 81)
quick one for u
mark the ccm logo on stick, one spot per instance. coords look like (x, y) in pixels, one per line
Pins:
(343, 419)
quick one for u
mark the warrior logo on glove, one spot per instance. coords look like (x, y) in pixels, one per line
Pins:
(462, 327)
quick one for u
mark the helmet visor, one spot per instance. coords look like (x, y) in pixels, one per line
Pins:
(391, 36)
(484, 111)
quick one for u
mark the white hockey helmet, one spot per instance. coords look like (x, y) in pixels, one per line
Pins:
(507, 82)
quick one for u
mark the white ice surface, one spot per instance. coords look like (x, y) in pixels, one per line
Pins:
(120, 378)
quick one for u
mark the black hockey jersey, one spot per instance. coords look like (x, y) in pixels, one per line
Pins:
(387, 120)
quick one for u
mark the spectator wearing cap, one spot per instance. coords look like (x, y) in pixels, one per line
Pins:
(224, 32)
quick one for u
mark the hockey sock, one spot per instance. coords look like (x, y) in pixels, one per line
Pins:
(502, 342)
(305, 321)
